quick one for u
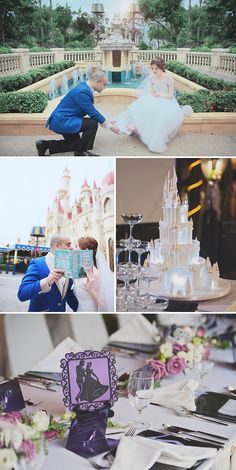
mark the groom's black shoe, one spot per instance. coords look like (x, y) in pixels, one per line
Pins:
(80, 154)
(42, 146)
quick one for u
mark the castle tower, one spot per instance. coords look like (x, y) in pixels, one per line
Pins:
(64, 191)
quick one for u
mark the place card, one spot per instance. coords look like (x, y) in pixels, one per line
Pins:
(89, 380)
(229, 408)
(11, 398)
(87, 436)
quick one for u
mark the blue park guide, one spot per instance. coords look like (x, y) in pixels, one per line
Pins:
(74, 263)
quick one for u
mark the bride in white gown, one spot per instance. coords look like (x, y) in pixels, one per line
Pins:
(155, 116)
(95, 292)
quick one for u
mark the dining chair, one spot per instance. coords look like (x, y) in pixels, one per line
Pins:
(28, 341)
(89, 330)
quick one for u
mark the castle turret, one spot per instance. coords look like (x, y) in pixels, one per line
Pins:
(64, 191)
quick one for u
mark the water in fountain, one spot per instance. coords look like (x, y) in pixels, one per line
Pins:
(88, 71)
(64, 86)
(75, 77)
(133, 71)
(53, 91)
(144, 71)
(81, 74)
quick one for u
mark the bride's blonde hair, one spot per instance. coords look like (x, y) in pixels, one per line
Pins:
(89, 243)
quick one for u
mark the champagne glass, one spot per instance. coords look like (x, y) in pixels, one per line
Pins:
(202, 369)
(131, 220)
(140, 391)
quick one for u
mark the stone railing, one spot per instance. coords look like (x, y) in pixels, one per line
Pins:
(38, 59)
(199, 59)
(147, 56)
(21, 60)
(10, 64)
(228, 63)
(83, 56)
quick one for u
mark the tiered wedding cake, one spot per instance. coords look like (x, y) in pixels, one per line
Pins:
(175, 254)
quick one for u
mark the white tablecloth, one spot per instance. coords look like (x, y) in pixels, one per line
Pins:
(221, 304)
(221, 375)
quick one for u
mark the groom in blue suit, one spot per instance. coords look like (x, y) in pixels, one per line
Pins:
(77, 119)
(46, 287)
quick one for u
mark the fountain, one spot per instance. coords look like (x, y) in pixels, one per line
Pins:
(53, 91)
(88, 71)
(75, 77)
(81, 74)
(64, 86)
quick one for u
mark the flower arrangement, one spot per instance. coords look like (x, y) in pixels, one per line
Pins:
(187, 346)
(22, 437)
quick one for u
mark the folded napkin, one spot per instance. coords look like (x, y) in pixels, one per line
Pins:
(138, 330)
(51, 363)
(177, 394)
(141, 453)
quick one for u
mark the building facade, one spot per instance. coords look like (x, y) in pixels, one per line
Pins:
(91, 214)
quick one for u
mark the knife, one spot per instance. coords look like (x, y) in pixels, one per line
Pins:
(179, 431)
(199, 432)
(31, 384)
(202, 441)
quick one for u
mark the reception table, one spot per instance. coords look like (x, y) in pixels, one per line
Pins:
(220, 376)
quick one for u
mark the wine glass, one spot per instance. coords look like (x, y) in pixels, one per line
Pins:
(202, 369)
(140, 391)
(131, 220)
(157, 303)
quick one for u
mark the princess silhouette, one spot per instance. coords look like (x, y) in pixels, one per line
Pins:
(88, 382)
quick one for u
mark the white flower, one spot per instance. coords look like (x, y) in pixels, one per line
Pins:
(8, 459)
(26, 431)
(166, 349)
(184, 355)
(16, 439)
(40, 421)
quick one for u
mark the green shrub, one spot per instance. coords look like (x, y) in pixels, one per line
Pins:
(198, 77)
(201, 49)
(21, 80)
(5, 50)
(206, 101)
(143, 46)
(39, 49)
(25, 102)
(232, 50)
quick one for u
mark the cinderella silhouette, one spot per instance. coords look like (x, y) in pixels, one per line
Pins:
(88, 382)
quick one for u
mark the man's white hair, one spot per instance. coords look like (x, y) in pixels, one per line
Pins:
(98, 75)
(58, 238)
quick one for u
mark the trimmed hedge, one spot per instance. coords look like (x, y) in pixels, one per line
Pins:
(25, 102)
(21, 80)
(200, 78)
(205, 101)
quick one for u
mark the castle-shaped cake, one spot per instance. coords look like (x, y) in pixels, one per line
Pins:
(175, 254)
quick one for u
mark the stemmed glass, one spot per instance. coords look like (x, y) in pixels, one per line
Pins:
(131, 220)
(140, 391)
(202, 369)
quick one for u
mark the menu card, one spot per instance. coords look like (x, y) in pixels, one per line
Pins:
(74, 263)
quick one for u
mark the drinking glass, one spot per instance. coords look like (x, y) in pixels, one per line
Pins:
(140, 391)
(202, 369)
(131, 220)
(157, 303)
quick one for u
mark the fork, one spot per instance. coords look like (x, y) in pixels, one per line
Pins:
(131, 432)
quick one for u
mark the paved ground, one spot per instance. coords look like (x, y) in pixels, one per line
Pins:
(8, 293)
(110, 144)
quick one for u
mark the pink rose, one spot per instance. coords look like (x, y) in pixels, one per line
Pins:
(12, 416)
(201, 331)
(179, 347)
(159, 369)
(29, 449)
(50, 435)
(176, 365)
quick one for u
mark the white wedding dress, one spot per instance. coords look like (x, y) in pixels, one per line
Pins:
(103, 286)
(155, 119)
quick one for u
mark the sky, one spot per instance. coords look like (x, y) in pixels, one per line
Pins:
(110, 6)
(29, 186)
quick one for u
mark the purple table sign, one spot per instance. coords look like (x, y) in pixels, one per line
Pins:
(89, 380)
(11, 398)
(87, 436)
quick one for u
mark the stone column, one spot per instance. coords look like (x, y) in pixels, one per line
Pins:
(215, 57)
(24, 59)
(181, 53)
(59, 53)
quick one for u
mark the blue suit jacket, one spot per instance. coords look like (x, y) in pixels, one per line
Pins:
(49, 301)
(67, 117)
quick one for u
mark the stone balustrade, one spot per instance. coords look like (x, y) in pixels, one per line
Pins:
(21, 60)
(10, 64)
(38, 59)
(83, 56)
(199, 59)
